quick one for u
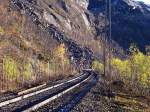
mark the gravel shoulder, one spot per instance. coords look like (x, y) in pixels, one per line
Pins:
(104, 97)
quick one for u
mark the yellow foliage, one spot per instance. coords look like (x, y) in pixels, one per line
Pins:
(122, 66)
(60, 51)
(59, 61)
(137, 66)
(10, 67)
(96, 65)
(1, 31)
(66, 61)
(27, 72)
(141, 66)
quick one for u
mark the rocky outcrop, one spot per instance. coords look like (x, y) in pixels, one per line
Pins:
(130, 21)
(83, 21)
(79, 56)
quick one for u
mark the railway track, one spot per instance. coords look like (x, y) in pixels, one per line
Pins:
(69, 101)
(33, 100)
(10, 95)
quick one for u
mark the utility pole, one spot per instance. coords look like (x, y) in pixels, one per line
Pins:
(107, 38)
(110, 27)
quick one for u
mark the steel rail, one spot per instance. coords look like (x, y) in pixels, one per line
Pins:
(4, 103)
(35, 107)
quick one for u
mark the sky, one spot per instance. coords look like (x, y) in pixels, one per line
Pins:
(146, 1)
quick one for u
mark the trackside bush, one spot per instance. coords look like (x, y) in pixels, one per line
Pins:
(96, 65)
(10, 68)
(136, 68)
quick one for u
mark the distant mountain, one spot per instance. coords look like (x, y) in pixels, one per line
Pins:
(130, 21)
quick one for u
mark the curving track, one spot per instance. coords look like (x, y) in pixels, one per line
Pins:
(68, 101)
(37, 99)
(33, 100)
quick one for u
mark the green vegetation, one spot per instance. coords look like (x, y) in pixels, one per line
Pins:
(61, 60)
(10, 67)
(123, 67)
(1, 31)
(28, 54)
(96, 65)
(136, 68)
(27, 73)
(60, 51)
(20, 70)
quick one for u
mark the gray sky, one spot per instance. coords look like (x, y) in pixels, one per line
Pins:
(146, 1)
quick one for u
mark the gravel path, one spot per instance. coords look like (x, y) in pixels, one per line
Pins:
(95, 101)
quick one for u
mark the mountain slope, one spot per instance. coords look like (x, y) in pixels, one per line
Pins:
(130, 21)
(47, 40)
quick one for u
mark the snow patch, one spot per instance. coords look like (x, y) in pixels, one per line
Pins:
(134, 8)
(137, 4)
(148, 9)
(131, 3)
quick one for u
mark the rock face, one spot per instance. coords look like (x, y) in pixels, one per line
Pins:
(83, 3)
(130, 21)
(52, 22)
(83, 21)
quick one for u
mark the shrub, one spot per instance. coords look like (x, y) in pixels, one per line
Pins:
(27, 72)
(60, 51)
(10, 68)
(123, 67)
(140, 67)
(1, 31)
(96, 65)
(136, 68)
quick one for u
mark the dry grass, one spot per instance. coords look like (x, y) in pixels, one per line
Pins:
(132, 104)
(26, 52)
